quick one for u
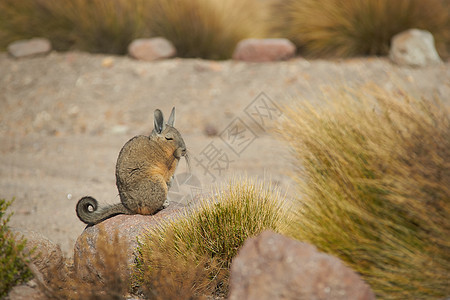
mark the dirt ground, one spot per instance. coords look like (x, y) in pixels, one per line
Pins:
(65, 117)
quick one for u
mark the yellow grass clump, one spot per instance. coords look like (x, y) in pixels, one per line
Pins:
(373, 170)
(357, 27)
(206, 28)
(210, 235)
(110, 282)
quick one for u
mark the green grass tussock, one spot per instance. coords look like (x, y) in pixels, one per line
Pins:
(198, 28)
(374, 178)
(13, 263)
(209, 236)
(357, 27)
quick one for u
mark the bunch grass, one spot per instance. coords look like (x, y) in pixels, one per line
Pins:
(211, 235)
(373, 170)
(206, 28)
(88, 25)
(334, 28)
(109, 281)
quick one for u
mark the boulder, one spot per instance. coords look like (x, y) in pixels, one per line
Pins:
(414, 48)
(151, 49)
(115, 239)
(271, 266)
(32, 47)
(46, 256)
(262, 50)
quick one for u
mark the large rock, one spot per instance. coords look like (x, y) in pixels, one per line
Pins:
(261, 50)
(46, 256)
(97, 243)
(32, 47)
(271, 266)
(414, 48)
(151, 49)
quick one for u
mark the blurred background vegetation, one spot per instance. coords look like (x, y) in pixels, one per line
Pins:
(211, 28)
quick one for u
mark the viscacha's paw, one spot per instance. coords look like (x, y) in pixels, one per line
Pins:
(166, 203)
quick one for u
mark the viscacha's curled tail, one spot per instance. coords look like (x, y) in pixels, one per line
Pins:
(86, 207)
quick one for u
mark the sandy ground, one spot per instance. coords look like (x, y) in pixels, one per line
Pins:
(65, 117)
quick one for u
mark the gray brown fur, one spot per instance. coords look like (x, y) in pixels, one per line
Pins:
(144, 169)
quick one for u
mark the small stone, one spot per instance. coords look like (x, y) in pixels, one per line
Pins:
(32, 283)
(210, 130)
(414, 48)
(73, 110)
(151, 49)
(119, 129)
(41, 119)
(24, 212)
(205, 66)
(261, 50)
(215, 66)
(32, 47)
(25, 292)
(271, 266)
(108, 62)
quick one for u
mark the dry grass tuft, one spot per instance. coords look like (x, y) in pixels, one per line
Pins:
(89, 25)
(358, 27)
(210, 236)
(186, 275)
(374, 177)
(205, 28)
(110, 261)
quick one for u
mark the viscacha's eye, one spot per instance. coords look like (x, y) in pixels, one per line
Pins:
(169, 138)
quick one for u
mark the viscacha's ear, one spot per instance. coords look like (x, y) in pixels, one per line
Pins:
(171, 120)
(159, 121)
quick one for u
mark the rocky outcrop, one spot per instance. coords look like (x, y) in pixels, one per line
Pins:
(45, 255)
(46, 262)
(262, 50)
(32, 47)
(151, 49)
(414, 48)
(271, 266)
(115, 239)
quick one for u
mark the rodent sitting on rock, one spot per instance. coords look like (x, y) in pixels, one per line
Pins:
(144, 170)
